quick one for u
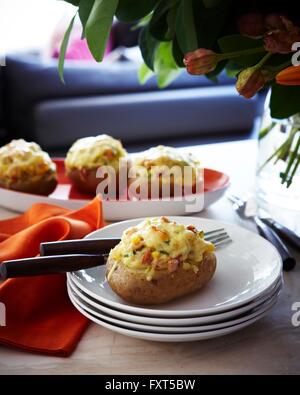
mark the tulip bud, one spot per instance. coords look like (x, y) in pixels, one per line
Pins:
(282, 39)
(274, 22)
(250, 81)
(251, 24)
(201, 61)
(289, 76)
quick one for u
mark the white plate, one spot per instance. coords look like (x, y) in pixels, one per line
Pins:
(77, 301)
(216, 185)
(209, 319)
(246, 268)
(169, 337)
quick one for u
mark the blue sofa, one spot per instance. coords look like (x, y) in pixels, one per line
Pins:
(108, 98)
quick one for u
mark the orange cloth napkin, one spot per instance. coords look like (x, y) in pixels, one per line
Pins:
(39, 315)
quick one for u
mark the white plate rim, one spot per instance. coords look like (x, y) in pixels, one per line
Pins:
(184, 321)
(185, 329)
(156, 312)
(171, 337)
(113, 210)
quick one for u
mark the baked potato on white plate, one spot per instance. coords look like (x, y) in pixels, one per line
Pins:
(246, 269)
(159, 260)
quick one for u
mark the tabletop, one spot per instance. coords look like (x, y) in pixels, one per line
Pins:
(270, 346)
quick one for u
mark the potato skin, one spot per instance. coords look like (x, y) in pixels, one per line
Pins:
(135, 288)
(86, 181)
(42, 186)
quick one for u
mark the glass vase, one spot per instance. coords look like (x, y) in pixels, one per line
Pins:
(278, 169)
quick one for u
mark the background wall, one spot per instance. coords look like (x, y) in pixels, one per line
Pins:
(27, 25)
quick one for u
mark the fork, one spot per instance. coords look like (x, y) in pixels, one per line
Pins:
(77, 255)
(264, 230)
(101, 246)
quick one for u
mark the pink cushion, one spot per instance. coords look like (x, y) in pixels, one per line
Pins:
(78, 50)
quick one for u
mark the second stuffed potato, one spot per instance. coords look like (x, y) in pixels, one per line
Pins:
(89, 154)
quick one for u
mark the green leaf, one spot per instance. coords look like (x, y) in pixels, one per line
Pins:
(148, 45)
(142, 22)
(233, 69)
(159, 22)
(63, 49)
(85, 9)
(236, 42)
(73, 2)
(171, 22)
(144, 73)
(164, 65)
(185, 27)
(213, 74)
(98, 26)
(177, 53)
(211, 3)
(131, 10)
(210, 22)
(284, 101)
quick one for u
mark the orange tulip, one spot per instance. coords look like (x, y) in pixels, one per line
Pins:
(289, 76)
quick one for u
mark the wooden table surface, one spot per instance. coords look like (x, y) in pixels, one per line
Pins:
(270, 346)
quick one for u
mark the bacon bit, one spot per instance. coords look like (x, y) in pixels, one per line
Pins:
(192, 228)
(165, 219)
(147, 257)
(109, 153)
(173, 264)
(163, 234)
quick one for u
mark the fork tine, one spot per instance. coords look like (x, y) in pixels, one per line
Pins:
(223, 242)
(219, 239)
(216, 236)
(234, 199)
(214, 231)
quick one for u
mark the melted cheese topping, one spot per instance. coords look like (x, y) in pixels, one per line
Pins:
(158, 160)
(160, 244)
(91, 152)
(21, 159)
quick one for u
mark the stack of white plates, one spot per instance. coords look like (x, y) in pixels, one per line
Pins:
(244, 289)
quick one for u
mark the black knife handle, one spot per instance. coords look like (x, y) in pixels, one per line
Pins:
(268, 233)
(284, 232)
(48, 265)
(82, 246)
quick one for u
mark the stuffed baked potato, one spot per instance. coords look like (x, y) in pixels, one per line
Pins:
(25, 167)
(164, 171)
(89, 154)
(158, 261)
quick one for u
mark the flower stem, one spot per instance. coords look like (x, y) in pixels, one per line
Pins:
(285, 178)
(283, 148)
(263, 60)
(294, 171)
(231, 55)
(266, 130)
